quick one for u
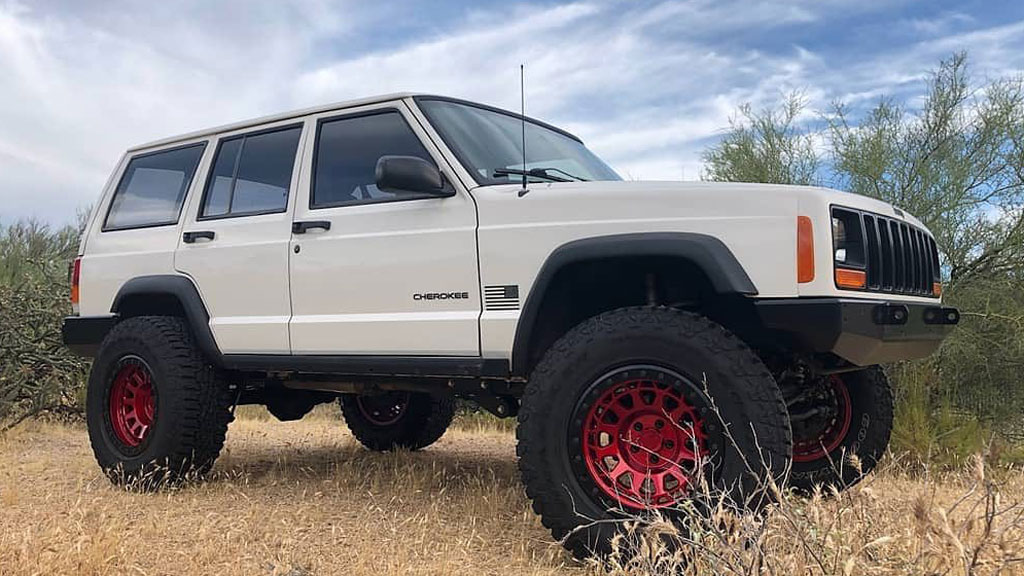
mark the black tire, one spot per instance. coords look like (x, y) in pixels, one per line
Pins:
(868, 428)
(422, 420)
(658, 341)
(190, 404)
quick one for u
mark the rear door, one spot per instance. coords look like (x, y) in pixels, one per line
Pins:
(236, 237)
(378, 272)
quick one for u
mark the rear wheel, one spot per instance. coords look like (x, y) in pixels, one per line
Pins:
(390, 420)
(156, 410)
(835, 417)
(622, 412)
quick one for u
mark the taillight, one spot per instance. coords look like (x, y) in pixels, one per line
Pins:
(804, 250)
(76, 276)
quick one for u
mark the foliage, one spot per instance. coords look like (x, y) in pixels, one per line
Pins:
(37, 374)
(766, 146)
(957, 163)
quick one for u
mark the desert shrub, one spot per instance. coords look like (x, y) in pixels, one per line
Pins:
(37, 374)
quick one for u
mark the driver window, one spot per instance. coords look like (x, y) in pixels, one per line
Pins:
(347, 151)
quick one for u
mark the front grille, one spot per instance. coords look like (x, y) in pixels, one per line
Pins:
(899, 258)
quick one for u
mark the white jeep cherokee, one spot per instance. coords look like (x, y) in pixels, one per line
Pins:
(392, 253)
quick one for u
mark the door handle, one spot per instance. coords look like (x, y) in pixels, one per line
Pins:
(302, 227)
(191, 237)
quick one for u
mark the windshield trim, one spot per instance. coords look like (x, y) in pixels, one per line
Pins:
(515, 115)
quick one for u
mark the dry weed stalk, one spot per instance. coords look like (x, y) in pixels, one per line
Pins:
(931, 530)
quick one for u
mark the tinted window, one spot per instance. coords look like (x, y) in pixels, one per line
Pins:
(218, 189)
(347, 154)
(252, 174)
(153, 188)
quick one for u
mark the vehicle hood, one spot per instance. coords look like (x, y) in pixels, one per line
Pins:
(622, 200)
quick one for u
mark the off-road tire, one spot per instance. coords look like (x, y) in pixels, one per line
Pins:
(867, 437)
(743, 393)
(425, 420)
(192, 404)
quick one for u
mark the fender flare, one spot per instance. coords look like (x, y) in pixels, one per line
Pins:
(185, 292)
(708, 253)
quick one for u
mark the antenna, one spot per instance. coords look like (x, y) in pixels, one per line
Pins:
(522, 109)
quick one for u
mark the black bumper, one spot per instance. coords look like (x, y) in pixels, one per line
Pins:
(863, 332)
(83, 334)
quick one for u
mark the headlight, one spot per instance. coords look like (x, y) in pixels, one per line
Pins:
(848, 249)
(839, 239)
(847, 239)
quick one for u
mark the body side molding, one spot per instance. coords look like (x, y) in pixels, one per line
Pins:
(373, 365)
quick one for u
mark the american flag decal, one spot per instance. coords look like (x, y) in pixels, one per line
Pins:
(501, 297)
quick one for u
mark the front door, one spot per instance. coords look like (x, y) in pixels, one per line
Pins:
(377, 272)
(236, 238)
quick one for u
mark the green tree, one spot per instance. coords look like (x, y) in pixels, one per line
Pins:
(765, 146)
(957, 163)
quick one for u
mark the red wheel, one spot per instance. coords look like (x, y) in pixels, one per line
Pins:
(821, 428)
(132, 402)
(643, 437)
(834, 417)
(383, 409)
(396, 419)
(642, 408)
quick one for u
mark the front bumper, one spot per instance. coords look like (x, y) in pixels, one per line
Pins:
(863, 332)
(83, 334)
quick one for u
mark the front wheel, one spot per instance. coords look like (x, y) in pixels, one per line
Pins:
(632, 410)
(834, 418)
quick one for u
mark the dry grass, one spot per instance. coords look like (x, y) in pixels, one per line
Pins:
(893, 523)
(304, 498)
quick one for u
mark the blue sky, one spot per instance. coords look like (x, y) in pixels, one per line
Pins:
(646, 84)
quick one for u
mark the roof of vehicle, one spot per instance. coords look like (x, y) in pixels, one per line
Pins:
(272, 118)
(325, 108)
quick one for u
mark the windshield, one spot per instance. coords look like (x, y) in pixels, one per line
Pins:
(490, 145)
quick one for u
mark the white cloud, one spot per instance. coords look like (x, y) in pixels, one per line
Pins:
(82, 84)
(645, 84)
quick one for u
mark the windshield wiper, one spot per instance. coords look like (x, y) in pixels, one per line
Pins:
(539, 173)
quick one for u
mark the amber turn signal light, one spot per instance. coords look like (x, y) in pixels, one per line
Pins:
(856, 279)
(937, 288)
(804, 250)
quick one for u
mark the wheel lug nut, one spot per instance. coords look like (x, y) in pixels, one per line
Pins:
(669, 444)
(659, 424)
(634, 449)
(654, 458)
(638, 427)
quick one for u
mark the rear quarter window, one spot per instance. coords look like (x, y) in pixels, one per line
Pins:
(152, 188)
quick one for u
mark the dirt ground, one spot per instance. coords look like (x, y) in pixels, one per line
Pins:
(303, 498)
(285, 498)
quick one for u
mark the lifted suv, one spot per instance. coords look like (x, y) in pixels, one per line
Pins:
(395, 253)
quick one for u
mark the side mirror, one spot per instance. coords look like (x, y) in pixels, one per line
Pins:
(410, 174)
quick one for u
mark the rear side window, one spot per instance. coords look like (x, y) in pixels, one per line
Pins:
(251, 174)
(153, 188)
(346, 159)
